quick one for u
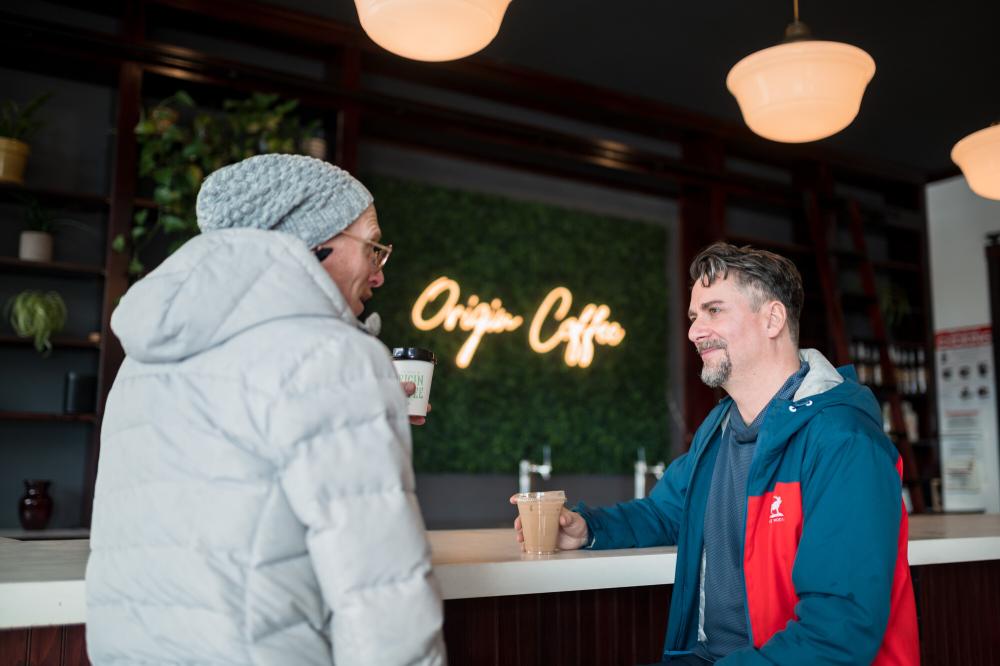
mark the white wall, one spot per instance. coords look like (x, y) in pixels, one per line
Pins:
(958, 223)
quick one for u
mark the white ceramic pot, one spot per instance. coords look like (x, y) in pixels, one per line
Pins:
(35, 246)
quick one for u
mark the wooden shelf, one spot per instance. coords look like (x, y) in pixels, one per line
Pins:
(12, 265)
(767, 244)
(896, 266)
(57, 343)
(856, 299)
(49, 533)
(904, 344)
(882, 266)
(52, 418)
(52, 197)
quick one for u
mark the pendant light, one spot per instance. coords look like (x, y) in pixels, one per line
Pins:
(978, 156)
(431, 30)
(802, 89)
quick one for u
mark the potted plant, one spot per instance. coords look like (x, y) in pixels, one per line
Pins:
(36, 314)
(17, 126)
(179, 145)
(36, 241)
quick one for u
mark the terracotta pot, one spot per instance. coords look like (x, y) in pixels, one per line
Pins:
(35, 246)
(13, 157)
(35, 508)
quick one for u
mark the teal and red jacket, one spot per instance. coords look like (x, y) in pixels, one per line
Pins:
(824, 548)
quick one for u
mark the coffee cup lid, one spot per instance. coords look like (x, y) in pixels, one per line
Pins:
(543, 496)
(413, 354)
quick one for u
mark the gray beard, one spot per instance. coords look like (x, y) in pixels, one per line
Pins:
(717, 375)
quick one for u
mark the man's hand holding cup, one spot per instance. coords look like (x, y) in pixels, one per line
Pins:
(573, 532)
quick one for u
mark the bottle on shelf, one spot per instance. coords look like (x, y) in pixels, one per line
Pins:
(859, 356)
(911, 421)
(921, 372)
(876, 359)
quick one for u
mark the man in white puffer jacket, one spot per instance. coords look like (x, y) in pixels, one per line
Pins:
(255, 494)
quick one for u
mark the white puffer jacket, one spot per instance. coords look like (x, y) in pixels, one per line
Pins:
(255, 495)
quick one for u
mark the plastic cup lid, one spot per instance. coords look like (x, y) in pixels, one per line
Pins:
(548, 495)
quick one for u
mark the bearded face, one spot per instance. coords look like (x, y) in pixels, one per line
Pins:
(717, 366)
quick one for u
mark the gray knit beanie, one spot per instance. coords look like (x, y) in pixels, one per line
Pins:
(299, 195)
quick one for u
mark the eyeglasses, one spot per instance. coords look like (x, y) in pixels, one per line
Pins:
(380, 253)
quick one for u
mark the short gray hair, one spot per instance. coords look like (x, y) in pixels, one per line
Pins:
(763, 276)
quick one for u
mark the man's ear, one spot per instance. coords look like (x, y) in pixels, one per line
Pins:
(777, 317)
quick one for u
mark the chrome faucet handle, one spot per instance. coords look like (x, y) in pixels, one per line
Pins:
(642, 469)
(526, 468)
(639, 477)
(524, 476)
(545, 469)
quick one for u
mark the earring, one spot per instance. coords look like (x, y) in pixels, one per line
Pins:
(322, 253)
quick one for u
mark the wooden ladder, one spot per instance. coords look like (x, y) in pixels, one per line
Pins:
(819, 228)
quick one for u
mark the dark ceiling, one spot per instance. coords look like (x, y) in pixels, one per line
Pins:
(937, 76)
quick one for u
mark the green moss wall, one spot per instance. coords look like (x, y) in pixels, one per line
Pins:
(511, 401)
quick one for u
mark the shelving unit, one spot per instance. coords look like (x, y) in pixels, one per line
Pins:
(51, 418)
(64, 199)
(845, 282)
(59, 268)
(139, 63)
(57, 343)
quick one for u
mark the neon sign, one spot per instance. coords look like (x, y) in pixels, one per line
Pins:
(579, 334)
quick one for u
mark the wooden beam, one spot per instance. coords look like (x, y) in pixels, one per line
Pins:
(123, 192)
(349, 116)
(703, 221)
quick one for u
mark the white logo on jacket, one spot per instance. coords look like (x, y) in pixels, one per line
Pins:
(776, 515)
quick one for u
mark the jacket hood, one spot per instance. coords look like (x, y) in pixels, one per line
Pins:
(824, 387)
(218, 285)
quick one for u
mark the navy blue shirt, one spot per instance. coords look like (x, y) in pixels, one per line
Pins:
(725, 618)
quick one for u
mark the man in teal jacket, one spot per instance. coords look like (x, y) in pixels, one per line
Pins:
(787, 510)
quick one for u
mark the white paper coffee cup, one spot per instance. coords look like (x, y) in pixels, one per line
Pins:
(414, 364)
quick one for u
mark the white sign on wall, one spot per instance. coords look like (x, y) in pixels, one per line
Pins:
(968, 415)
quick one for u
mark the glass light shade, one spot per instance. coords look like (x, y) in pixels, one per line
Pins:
(978, 156)
(801, 91)
(432, 30)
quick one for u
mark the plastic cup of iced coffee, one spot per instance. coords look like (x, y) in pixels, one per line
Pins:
(540, 519)
(414, 364)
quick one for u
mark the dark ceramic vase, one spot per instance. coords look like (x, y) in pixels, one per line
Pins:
(35, 508)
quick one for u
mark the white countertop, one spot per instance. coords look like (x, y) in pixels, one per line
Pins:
(41, 582)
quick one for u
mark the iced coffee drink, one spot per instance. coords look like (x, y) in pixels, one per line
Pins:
(540, 519)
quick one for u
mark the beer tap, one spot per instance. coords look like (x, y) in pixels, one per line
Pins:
(526, 468)
(642, 469)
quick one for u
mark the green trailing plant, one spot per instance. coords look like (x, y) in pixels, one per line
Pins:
(21, 122)
(36, 314)
(179, 145)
